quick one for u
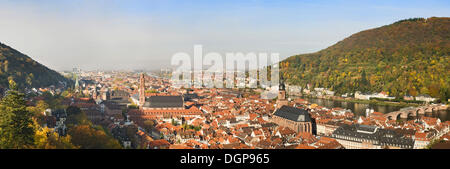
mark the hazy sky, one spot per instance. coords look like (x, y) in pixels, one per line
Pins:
(132, 34)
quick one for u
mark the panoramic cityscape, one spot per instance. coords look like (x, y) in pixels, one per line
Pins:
(129, 77)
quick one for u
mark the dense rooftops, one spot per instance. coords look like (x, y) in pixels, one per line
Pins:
(366, 129)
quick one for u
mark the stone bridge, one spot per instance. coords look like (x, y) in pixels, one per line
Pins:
(414, 111)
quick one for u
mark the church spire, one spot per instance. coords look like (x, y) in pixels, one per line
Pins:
(77, 85)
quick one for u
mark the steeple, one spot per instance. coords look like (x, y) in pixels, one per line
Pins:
(281, 86)
(77, 85)
(281, 89)
(281, 101)
(141, 90)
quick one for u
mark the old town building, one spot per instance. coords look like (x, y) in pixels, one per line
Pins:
(358, 136)
(296, 119)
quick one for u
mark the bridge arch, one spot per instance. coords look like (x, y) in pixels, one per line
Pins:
(420, 111)
(411, 115)
(399, 116)
(434, 109)
(389, 117)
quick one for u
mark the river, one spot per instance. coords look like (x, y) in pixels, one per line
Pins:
(360, 108)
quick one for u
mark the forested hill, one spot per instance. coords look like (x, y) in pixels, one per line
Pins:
(24, 70)
(407, 57)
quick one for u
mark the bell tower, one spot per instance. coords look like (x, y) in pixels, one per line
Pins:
(282, 92)
(141, 90)
(281, 101)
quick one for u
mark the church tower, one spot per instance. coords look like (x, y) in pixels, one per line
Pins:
(77, 85)
(281, 101)
(141, 90)
(282, 92)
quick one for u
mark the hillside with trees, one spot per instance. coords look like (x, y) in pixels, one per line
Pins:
(22, 126)
(406, 57)
(25, 71)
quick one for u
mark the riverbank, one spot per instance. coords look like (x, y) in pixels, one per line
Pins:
(372, 102)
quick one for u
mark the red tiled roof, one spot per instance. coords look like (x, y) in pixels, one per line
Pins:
(179, 146)
(303, 146)
(159, 143)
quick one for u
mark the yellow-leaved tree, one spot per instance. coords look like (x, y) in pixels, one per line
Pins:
(46, 138)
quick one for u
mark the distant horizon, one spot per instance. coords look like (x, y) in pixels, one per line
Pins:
(142, 35)
(168, 66)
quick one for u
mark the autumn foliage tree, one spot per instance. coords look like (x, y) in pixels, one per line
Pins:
(87, 137)
(45, 138)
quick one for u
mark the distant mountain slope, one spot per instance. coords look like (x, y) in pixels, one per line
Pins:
(24, 70)
(407, 57)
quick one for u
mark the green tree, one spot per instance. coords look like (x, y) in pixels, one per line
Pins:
(76, 117)
(148, 125)
(16, 124)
